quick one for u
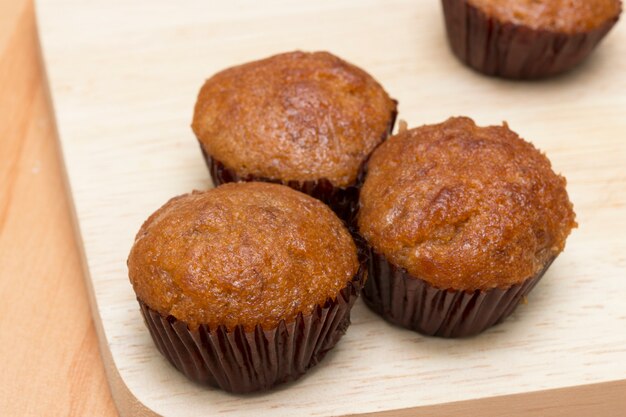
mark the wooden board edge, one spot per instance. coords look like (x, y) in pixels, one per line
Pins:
(125, 401)
(605, 399)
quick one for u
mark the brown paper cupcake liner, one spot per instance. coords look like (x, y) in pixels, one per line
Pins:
(514, 51)
(413, 303)
(239, 361)
(342, 200)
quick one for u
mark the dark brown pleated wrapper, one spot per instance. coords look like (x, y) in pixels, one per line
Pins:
(242, 362)
(513, 51)
(413, 303)
(342, 200)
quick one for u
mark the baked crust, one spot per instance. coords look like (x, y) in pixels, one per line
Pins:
(566, 16)
(464, 207)
(241, 254)
(294, 116)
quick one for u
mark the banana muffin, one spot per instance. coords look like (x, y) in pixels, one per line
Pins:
(246, 285)
(461, 221)
(306, 120)
(525, 39)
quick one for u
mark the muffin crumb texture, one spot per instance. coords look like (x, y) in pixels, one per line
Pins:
(464, 207)
(242, 254)
(295, 116)
(567, 16)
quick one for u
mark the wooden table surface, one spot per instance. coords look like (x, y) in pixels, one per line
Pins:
(51, 364)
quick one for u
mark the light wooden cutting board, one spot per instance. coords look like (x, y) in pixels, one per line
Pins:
(124, 77)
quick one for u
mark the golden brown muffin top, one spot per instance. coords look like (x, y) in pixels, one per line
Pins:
(241, 254)
(294, 116)
(568, 16)
(464, 207)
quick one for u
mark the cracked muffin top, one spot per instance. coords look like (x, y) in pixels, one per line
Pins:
(294, 116)
(464, 207)
(241, 254)
(568, 16)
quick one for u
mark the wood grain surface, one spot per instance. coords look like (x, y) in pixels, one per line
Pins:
(124, 77)
(50, 361)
